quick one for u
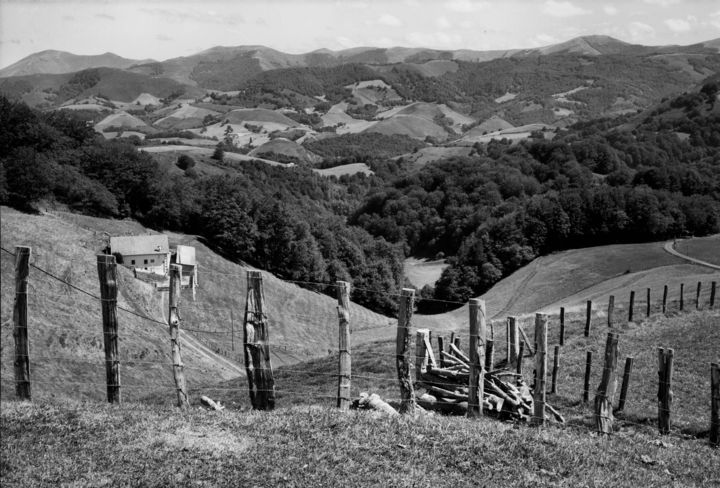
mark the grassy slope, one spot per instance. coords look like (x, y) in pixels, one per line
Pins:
(65, 323)
(46, 444)
(702, 248)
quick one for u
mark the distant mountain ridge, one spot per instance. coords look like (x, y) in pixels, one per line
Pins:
(264, 58)
(59, 62)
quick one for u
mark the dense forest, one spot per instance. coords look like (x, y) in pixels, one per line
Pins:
(599, 183)
(627, 179)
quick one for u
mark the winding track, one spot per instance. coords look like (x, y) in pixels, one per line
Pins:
(670, 248)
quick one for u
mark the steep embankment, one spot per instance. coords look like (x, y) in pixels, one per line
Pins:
(65, 325)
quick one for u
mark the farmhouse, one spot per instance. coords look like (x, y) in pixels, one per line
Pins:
(149, 253)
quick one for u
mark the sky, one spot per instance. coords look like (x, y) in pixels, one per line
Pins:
(163, 29)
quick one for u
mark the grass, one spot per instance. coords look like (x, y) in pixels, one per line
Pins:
(86, 445)
(702, 248)
(421, 272)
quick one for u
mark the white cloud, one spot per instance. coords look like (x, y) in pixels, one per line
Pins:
(443, 22)
(639, 31)
(390, 20)
(434, 40)
(610, 9)
(662, 3)
(678, 25)
(563, 9)
(466, 6)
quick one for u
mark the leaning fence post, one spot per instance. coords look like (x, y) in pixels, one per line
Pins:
(631, 308)
(441, 349)
(402, 351)
(107, 275)
(664, 302)
(665, 395)
(712, 294)
(489, 354)
(588, 313)
(611, 310)
(476, 381)
(625, 383)
(256, 344)
(562, 326)
(647, 304)
(521, 352)
(424, 356)
(606, 390)
(541, 320)
(715, 404)
(344, 358)
(23, 388)
(174, 324)
(556, 360)
(697, 296)
(586, 383)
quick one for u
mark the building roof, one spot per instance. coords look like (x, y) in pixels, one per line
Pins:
(185, 255)
(137, 245)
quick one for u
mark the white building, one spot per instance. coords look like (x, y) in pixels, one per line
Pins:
(149, 253)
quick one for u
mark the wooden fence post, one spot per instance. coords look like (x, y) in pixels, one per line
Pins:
(562, 326)
(23, 388)
(556, 360)
(715, 404)
(441, 348)
(540, 368)
(476, 381)
(631, 308)
(682, 295)
(664, 302)
(513, 340)
(588, 314)
(344, 358)
(713, 285)
(402, 351)
(606, 390)
(665, 395)
(697, 296)
(518, 369)
(107, 275)
(611, 310)
(424, 356)
(625, 383)
(586, 384)
(489, 354)
(174, 324)
(647, 304)
(256, 344)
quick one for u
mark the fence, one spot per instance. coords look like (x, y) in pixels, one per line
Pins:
(578, 330)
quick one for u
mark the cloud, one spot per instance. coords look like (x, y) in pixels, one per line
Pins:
(563, 9)
(678, 25)
(68, 17)
(466, 6)
(180, 15)
(610, 9)
(443, 22)
(639, 31)
(662, 3)
(390, 20)
(434, 40)
(163, 37)
(105, 16)
(544, 40)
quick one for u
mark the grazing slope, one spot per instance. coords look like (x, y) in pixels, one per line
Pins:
(67, 324)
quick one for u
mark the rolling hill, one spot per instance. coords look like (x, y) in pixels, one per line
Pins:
(66, 324)
(56, 62)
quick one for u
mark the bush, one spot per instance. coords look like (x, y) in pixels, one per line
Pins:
(185, 162)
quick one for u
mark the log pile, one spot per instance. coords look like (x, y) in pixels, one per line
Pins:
(506, 395)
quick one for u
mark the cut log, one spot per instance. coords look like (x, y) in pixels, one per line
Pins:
(442, 392)
(459, 354)
(450, 359)
(206, 401)
(527, 342)
(555, 413)
(374, 402)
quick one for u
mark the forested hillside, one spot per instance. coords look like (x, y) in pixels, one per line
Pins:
(287, 220)
(604, 182)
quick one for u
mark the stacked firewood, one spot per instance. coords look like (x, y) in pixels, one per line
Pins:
(506, 395)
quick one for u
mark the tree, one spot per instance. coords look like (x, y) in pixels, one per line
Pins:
(219, 153)
(185, 162)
